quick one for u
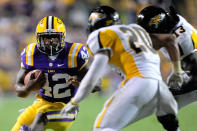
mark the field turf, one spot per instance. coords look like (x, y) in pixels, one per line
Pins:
(89, 109)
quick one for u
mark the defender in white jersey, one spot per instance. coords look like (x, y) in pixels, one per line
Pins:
(157, 20)
(129, 48)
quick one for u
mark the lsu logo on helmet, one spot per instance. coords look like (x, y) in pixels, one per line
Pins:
(50, 27)
(50, 24)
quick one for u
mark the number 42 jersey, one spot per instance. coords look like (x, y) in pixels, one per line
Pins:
(130, 48)
(67, 63)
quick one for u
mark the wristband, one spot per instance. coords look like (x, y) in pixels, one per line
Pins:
(177, 67)
(73, 102)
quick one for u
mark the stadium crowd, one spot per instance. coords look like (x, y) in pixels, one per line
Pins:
(18, 20)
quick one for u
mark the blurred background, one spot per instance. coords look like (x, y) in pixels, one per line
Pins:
(19, 18)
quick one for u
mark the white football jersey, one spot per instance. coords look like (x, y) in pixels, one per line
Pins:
(130, 48)
(186, 38)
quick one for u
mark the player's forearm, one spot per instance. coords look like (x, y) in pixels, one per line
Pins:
(177, 66)
(168, 41)
(84, 90)
(175, 57)
(91, 78)
(21, 90)
(173, 52)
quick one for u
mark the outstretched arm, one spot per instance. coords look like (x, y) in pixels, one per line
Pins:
(168, 41)
(75, 80)
(89, 81)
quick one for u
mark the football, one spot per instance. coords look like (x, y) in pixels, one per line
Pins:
(32, 75)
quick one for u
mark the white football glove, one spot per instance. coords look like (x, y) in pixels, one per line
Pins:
(175, 80)
(69, 108)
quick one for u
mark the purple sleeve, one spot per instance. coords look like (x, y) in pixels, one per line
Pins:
(82, 56)
(23, 59)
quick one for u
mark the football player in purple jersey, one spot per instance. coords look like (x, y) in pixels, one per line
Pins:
(62, 65)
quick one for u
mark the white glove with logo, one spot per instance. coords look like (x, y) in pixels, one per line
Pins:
(176, 80)
(175, 83)
(69, 108)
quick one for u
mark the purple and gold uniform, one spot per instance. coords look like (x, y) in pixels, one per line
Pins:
(57, 90)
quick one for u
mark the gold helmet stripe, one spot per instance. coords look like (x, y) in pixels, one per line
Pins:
(50, 23)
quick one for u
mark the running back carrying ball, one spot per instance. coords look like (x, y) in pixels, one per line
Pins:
(33, 75)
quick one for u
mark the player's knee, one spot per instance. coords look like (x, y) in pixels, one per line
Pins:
(39, 122)
(169, 122)
(41, 117)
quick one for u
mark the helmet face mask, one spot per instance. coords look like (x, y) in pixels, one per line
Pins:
(50, 44)
(50, 34)
(102, 16)
(155, 20)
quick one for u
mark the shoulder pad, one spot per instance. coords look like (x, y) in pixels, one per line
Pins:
(27, 55)
(77, 55)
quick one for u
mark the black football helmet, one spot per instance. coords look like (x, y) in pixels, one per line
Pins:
(156, 20)
(102, 16)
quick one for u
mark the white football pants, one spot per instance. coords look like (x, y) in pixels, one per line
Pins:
(138, 98)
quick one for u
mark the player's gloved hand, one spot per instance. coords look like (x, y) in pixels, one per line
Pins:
(73, 80)
(176, 80)
(69, 108)
(179, 89)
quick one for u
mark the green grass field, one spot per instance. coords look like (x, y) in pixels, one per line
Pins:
(89, 109)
